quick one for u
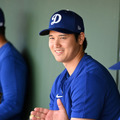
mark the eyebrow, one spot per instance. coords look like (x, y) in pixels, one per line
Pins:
(50, 35)
(58, 35)
(62, 35)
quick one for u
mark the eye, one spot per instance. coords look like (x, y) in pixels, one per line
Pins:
(51, 38)
(63, 38)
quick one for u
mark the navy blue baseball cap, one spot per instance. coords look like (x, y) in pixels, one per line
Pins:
(2, 19)
(115, 66)
(65, 21)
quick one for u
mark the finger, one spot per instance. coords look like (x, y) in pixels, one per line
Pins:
(42, 110)
(35, 118)
(35, 114)
(60, 105)
(32, 117)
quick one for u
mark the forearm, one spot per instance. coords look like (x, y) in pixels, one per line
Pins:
(8, 110)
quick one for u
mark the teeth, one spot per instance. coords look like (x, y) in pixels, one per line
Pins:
(58, 51)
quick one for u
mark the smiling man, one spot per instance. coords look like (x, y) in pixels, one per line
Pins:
(85, 90)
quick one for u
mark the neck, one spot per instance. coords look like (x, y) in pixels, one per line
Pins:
(2, 40)
(71, 66)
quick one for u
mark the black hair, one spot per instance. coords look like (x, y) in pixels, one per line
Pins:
(84, 43)
(2, 30)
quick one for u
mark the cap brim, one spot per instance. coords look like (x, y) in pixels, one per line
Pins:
(115, 66)
(46, 31)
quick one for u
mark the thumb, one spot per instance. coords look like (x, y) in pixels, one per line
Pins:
(60, 105)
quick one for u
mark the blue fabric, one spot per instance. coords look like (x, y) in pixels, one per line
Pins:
(115, 66)
(90, 92)
(13, 75)
(119, 118)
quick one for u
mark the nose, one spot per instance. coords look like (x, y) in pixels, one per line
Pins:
(57, 43)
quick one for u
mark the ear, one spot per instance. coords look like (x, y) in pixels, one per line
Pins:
(81, 38)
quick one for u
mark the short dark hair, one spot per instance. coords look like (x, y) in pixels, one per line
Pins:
(84, 43)
(2, 30)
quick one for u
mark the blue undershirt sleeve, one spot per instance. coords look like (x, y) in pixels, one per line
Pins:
(13, 87)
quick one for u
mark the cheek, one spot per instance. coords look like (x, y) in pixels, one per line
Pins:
(73, 49)
(50, 47)
(49, 44)
(69, 47)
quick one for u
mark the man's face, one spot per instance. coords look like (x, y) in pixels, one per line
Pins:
(63, 46)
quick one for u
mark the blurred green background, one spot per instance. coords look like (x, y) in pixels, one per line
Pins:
(26, 18)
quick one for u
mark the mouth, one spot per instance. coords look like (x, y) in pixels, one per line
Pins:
(58, 52)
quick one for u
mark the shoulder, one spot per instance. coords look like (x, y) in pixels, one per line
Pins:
(92, 75)
(90, 68)
(10, 53)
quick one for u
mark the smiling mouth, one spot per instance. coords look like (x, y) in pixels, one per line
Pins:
(58, 52)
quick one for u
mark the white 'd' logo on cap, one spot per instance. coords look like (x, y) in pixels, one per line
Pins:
(56, 19)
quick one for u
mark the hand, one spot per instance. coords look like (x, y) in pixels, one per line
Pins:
(46, 114)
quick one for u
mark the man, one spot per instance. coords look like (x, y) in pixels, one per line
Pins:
(13, 75)
(85, 90)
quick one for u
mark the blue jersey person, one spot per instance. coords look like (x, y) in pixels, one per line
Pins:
(84, 90)
(13, 76)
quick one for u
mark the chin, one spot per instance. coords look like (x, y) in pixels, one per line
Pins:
(58, 60)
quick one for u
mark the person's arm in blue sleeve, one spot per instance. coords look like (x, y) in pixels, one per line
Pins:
(13, 79)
